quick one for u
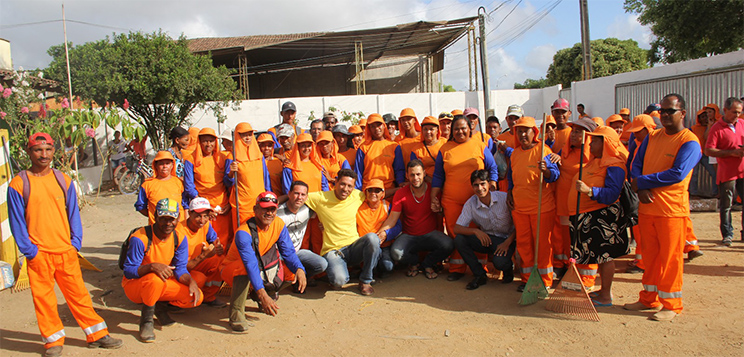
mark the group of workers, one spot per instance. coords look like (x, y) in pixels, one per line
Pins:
(289, 207)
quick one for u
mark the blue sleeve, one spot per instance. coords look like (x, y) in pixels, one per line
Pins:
(211, 234)
(359, 168)
(266, 177)
(413, 156)
(287, 251)
(632, 146)
(550, 143)
(226, 179)
(640, 155)
(490, 165)
(188, 181)
(613, 184)
(345, 165)
(287, 180)
(555, 172)
(490, 146)
(135, 254)
(141, 200)
(394, 231)
(244, 243)
(687, 157)
(399, 167)
(437, 179)
(73, 216)
(324, 183)
(17, 220)
(276, 141)
(181, 258)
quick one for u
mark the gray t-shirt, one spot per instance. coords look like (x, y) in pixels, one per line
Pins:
(296, 223)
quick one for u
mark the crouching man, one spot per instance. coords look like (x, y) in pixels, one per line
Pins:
(155, 272)
(267, 235)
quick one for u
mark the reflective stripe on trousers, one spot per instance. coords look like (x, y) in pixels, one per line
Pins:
(650, 288)
(95, 328)
(588, 272)
(53, 337)
(667, 295)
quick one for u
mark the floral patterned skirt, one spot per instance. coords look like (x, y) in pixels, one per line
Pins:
(602, 235)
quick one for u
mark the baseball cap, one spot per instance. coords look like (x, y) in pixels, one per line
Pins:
(624, 111)
(430, 120)
(515, 110)
(640, 122)
(599, 121)
(613, 118)
(527, 122)
(653, 107)
(329, 115)
(284, 130)
(560, 104)
(549, 119)
(324, 135)
(456, 112)
(585, 123)
(207, 131)
(407, 112)
(389, 117)
(226, 134)
(469, 111)
(304, 138)
(446, 116)
(288, 106)
(363, 122)
(200, 204)
(340, 128)
(375, 183)
(163, 155)
(265, 137)
(355, 129)
(267, 199)
(39, 138)
(167, 207)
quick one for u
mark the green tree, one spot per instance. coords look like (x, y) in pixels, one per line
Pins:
(530, 83)
(448, 88)
(609, 56)
(690, 29)
(162, 81)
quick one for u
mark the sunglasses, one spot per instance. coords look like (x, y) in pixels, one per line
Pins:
(448, 116)
(374, 190)
(668, 111)
(267, 199)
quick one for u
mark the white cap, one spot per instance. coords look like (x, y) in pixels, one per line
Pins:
(200, 204)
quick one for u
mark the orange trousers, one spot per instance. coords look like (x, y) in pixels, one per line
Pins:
(691, 242)
(223, 226)
(207, 276)
(561, 243)
(663, 245)
(64, 268)
(638, 260)
(452, 211)
(313, 239)
(150, 289)
(526, 229)
(231, 270)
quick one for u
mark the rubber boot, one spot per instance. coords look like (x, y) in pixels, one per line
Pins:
(161, 313)
(238, 322)
(147, 325)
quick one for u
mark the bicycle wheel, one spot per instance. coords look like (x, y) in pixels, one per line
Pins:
(119, 171)
(130, 183)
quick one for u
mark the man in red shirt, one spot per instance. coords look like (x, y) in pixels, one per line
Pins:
(412, 205)
(726, 144)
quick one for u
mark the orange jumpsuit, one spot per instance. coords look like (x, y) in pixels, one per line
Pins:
(49, 233)
(663, 165)
(252, 176)
(350, 155)
(428, 157)
(561, 138)
(204, 177)
(207, 272)
(275, 167)
(154, 190)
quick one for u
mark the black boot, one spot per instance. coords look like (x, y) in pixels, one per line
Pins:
(147, 325)
(161, 312)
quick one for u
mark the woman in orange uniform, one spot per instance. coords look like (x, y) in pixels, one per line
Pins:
(376, 157)
(457, 159)
(427, 148)
(247, 172)
(524, 171)
(329, 158)
(273, 163)
(164, 184)
(204, 176)
(600, 225)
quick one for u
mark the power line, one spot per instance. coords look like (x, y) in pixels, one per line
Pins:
(12, 26)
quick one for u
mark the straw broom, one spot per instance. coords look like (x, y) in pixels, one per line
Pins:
(570, 297)
(226, 290)
(535, 288)
(22, 282)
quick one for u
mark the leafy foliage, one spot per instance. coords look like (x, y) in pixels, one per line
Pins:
(161, 79)
(609, 56)
(530, 83)
(690, 29)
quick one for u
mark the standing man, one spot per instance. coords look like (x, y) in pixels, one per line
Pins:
(342, 246)
(445, 125)
(45, 221)
(561, 113)
(376, 157)
(120, 149)
(285, 135)
(493, 127)
(288, 113)
(329, 121)
(661, 175)
(726, 144)
(582, 114)
(316, 126)
(513, 114)
(392, 124)
(494, 233)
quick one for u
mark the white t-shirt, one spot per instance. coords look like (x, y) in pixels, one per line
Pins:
(296, 223)
(119, 149)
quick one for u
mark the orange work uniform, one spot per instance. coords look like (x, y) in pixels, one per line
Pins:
(561, 138)
(49, 233)
(207, 272)
(204, 176)
(155, 189)
(376, 158)
(663, 165)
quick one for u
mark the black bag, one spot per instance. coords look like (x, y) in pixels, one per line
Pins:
(629, 201)
(272, 271)
(148, 232)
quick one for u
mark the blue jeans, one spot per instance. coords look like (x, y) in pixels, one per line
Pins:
(365, 250)
(406, 247)
(314, 264)
(728, 193)
(705, 164)
(116, 162)
(386, 263)
(468, 245)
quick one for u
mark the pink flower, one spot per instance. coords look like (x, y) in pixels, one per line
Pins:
(125, 105)
(2, 115)
(90, 132)
(7, 92)
(42, 111)
(24, 110)
(1, 88)
(65, 103)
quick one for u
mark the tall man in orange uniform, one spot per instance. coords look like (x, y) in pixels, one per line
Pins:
(561, 113)
(155, 272)
(205, 249)
(376, 157)
(45, 222)
(247, 174)
(165, 184)
(661, 175)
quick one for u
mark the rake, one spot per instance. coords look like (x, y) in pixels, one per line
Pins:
(535, 288)
(570, 297)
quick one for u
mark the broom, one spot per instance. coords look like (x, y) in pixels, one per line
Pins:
(226, 290)
(535, 288)
(571, 297)
(22, 282)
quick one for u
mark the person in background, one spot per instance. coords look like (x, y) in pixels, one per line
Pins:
(445, 124)
(561, 113)
(329, 157)
(582, 114)
(285, 136)
(273, 164)
(344, 141)
(625, 136)
(329, 120)
(550, 126)
(391, 122)
(316, 126)
(288, 114)
(226, 139)
(180, 140)
(164, 184)
(247, 173)
(376, 157)
(493, 127)
(599, 121)
(512, 115)
(356, 136)
(408, 127)
(701, 128)
(616, 122)
(120, 148)
(427, 149)
(363, 124)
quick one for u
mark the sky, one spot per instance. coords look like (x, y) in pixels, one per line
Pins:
(32, 26)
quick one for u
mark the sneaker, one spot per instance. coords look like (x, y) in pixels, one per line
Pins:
(693, 254)
(106, 342)
(663, 315)
(726, 242)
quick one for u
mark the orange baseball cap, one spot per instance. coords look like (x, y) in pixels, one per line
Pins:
(407, 112)
(355, 129)
(430, 120)
(375, 183)
(640, 122)
(599, 121)
(207, 131)
(613, 118)
(304, 138)
(549, 119)
(243, 128)
(456, 112)
(363, 122)
(527, 122)
(624, 111)
(324, 135)
(265, 138)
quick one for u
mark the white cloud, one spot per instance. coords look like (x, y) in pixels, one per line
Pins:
(198, 28)
(627, 27)
(540, 57)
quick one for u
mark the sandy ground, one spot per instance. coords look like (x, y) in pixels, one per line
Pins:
(406, 316)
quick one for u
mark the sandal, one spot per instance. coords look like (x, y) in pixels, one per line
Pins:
(430, 273)
(413, 270)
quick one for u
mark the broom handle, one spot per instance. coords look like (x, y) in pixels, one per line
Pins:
(578, 194)
(235, 186)
(540, 190)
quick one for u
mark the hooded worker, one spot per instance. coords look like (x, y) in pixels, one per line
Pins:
(376, 157)
(247, 173)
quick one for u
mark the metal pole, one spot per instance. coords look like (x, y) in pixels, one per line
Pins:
(475, 59)
(484, 61)
(470, 64)
(69, 87)
(585, 40)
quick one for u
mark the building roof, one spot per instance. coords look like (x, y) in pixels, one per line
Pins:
(7, 76)
(265, 53)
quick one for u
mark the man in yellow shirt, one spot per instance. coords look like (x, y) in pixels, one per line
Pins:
(342, 246)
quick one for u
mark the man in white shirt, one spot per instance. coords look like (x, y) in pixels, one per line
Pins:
(494, 233)
(119, 147)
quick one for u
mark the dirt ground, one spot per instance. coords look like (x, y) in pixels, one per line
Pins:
(406, 316)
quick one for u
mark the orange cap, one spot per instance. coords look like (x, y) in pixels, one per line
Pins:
(243, 128)
(375, 183)
(265, 138)
(324, 135)
(550, 120)
(355, 129)
(527, 122)
(599, 121)
(640, 122)
(207, 131)
(363, 122)
(430, 120)
(624, 111)
(655, 114)
(304, 138)
(375, 118)
(407, 112)
(456, 112)
(164, 155)
(613, 118)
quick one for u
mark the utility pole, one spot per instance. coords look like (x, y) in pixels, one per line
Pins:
(484, 60)
(585, 40)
